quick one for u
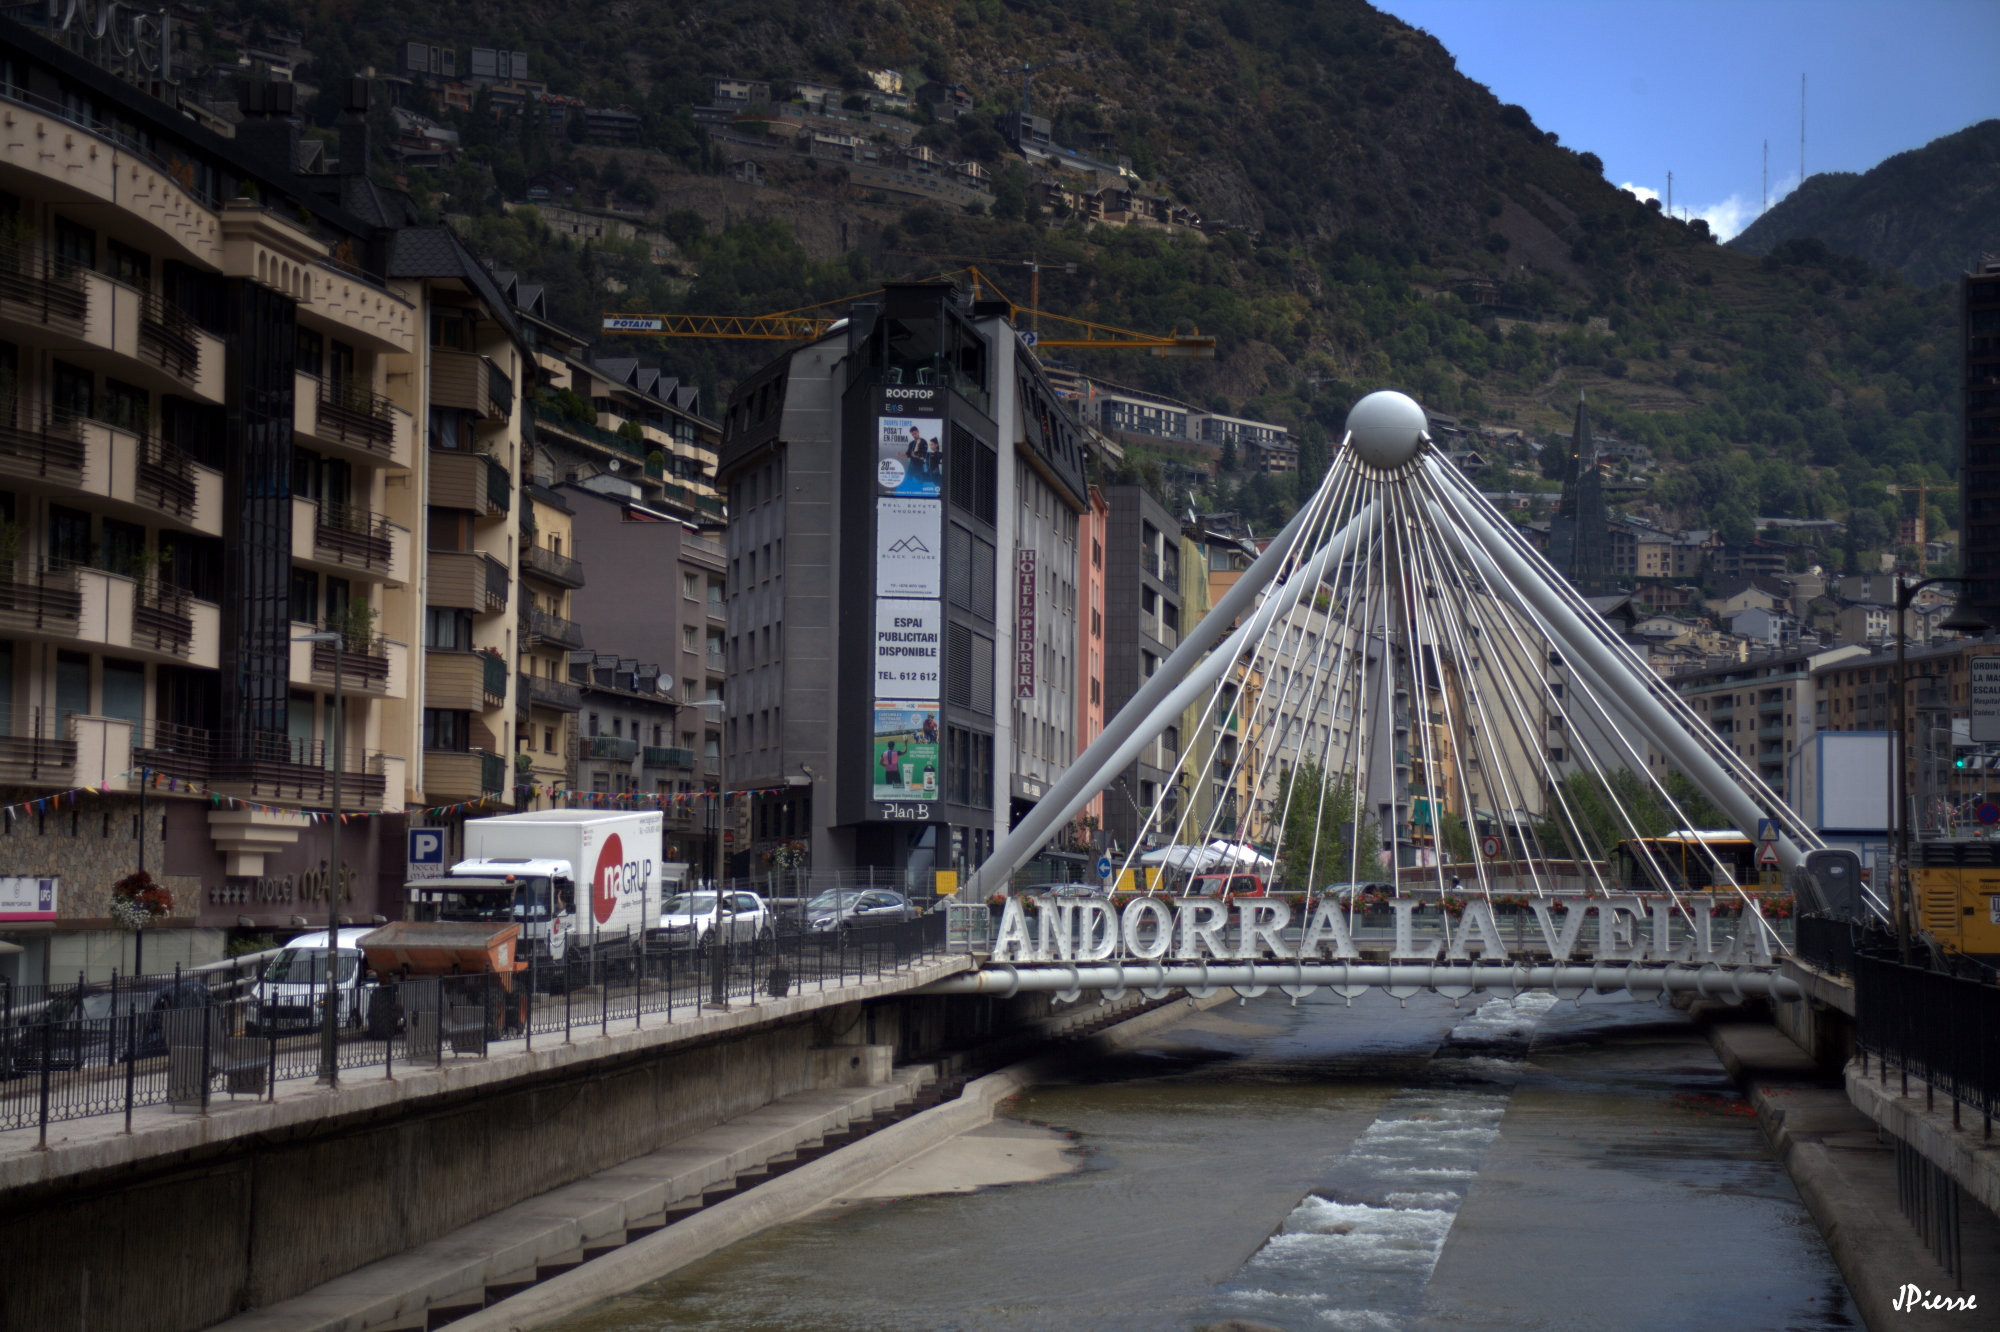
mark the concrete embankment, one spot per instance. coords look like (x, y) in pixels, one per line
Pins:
(800, 1191)
(1845, 1171)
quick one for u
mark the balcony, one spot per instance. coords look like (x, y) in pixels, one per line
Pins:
(140, 477)
(33, 748)
(464, 681)
(346, 541)
(356, 305)
(467, 580)
(75, 605)
(348, 421)
(276, 767)
(39, 291)
(653, 756)
(558, 695)
(553, 629)
(547, 565)
(365, 668)
(134, 335)
(616, 749)
(471, 383)
(461, 479)
(462, 774)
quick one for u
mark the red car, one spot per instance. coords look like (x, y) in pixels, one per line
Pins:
(1236, 883)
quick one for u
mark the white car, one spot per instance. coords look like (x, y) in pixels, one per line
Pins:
(689, 918)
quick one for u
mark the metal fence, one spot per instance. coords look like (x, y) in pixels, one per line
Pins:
(1829, 943)
(1941, 1028)
(96, 1048)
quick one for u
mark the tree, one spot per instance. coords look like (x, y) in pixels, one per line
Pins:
(1228, 463)
(1614, 808)
(1325, 834)
(1010, 193)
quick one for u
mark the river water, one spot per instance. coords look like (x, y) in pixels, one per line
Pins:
(1507, 1165)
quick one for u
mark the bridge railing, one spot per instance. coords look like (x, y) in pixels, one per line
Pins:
(1829, 943)
(76, 1051)
(1927, 1024)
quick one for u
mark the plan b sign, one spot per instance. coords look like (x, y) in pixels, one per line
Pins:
(1985, 700)
(909, 660)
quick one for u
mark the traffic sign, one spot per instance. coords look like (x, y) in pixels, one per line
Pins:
(1768, 854)
(1767, 830)
(426, 853)
(1104, 869)
(1988, 812)
(1490, 847)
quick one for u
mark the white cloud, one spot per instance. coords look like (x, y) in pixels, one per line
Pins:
(1639, 192)
(1729, 217)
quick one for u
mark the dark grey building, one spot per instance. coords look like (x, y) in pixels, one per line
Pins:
(879, 596)
(1142, 626)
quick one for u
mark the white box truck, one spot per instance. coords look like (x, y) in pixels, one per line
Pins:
(568, 877)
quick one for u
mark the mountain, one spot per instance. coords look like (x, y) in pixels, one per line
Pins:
(1373, 218)
(1926, 213)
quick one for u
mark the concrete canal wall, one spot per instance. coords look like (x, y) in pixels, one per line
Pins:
(193, 1218)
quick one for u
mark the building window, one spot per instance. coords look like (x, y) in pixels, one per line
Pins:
(548, 739)
(447, 730)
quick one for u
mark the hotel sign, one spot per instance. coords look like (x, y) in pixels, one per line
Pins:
(1024, 627)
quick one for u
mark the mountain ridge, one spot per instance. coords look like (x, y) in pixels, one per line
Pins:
(1926, 213)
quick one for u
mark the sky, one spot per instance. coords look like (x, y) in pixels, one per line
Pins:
(1696, 87)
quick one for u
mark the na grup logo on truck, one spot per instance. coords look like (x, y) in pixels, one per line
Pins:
(614, 877)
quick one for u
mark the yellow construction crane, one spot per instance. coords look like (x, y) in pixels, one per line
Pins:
(810, 322)
(1923, 491)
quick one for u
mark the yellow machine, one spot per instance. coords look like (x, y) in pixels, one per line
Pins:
(1957, 887)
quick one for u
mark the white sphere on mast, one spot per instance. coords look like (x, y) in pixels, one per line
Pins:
(1386, 428)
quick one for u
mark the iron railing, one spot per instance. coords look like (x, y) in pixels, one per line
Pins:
(167, 337)
(77, 1050)
(356, 416)
(42, 452)
(1941, 1028)
(493, 677)
(546, 563)
(48, 602)
(33, 745)
(38, 286)
(656, 756)
(615, 748)
(554, 629)
(161, 619)
(492, 771)
(349, 534)
(363, 665)
(542, 691)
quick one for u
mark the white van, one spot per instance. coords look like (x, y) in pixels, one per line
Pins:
(292, 988)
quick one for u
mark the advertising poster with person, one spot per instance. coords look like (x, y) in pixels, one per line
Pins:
(909, 455)
(905, 752)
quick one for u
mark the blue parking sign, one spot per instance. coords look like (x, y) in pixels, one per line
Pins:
(426, 852)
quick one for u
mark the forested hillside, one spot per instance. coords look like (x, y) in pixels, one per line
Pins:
(1926, 213)
(1397, 226)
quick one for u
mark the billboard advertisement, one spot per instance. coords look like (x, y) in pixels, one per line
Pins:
(30, 899)
(909, 657)
(909, 547)
(905, 752)
(909, 455)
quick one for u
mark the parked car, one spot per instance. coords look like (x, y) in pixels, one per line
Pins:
(90, 1025)
(849, 908)
(1347, 892)
(689, 918)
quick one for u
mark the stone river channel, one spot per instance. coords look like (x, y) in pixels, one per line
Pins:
(1512, 1164)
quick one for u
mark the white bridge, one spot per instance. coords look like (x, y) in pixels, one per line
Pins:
(1401, 666)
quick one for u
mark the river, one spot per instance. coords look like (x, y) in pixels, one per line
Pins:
(1508, 1165)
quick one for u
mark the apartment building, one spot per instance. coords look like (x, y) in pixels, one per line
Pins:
(246, 405)
(550, 633)
(1764, 708)
(663, 603)
(1143, 624)
(880, 524)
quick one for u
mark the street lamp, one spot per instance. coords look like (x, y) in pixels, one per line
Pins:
(329, 1031)
(1966, 620)
(718, 996)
